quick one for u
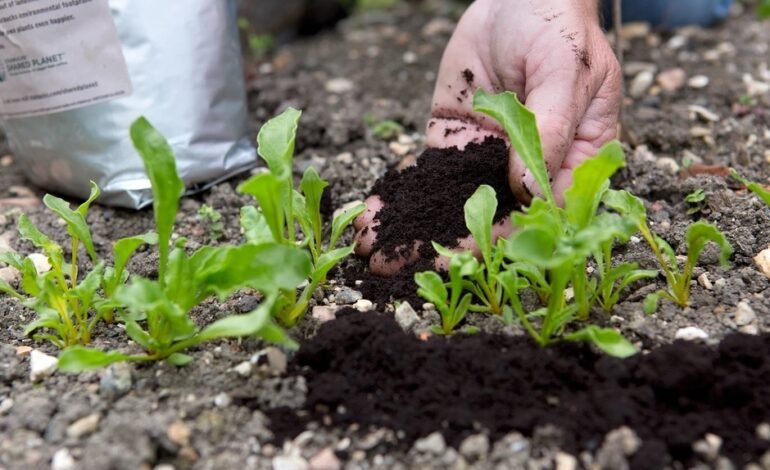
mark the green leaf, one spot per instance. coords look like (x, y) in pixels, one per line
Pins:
(235, 326)
(276, 143)
(76, 222)
(343, 221)
(329, 260)
(755, 188)
(179, 359)
(136, 333)
(79, 359)
(274, 334)
(6, 288)
(30, 279)
(520, 125)
(312, 187)
(29, 232)
(606, 339)
(95, 193)
(626, 204)
(267, 268)
(166, 320)
(651, 301)
(590, 180)
(533, 245)
(431, 287)
(86, 290)
(696, 196)
(480, 211)
(700, 233)
(126, 247)
(255, 226)
(167, 187)
(267, 189)
(12, 259)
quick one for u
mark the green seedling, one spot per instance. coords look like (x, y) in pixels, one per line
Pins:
(282, 209)
(763, 9)
(697, 237)
(756, 188)
(450, 299)
(156, 314)
(385, 129)
(550, 249)
(212, 219)
(695, 200)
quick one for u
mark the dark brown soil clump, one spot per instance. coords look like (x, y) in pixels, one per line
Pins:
(426, 202)
(671, 397)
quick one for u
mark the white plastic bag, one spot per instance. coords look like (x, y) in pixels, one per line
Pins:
(184, 63)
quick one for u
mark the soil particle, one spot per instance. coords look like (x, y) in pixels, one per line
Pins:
(426, 202)
(468, 76)
(667, 399)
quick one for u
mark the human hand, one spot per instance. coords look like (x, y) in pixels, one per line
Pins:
(554, 55)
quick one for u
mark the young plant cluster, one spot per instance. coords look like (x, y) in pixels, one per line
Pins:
(553, 247)
(155, 313)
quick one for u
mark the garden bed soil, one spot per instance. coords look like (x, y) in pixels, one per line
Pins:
(381, 65)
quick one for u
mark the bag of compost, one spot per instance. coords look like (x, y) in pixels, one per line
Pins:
(75, 74)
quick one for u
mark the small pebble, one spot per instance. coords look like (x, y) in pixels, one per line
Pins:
(708, 447)
(41, 262)
(178, 433)
(749, 329)
(427, 307)
(347, 296)
(640, 83)
(62, 460)
(289, 462)
(409, 57)
(565, 461)
(762, 260)
(703, 113)
(698, 81)
(222, 400)
(115, 380)
(339, 85)
(346, 158)
(763, 431)
(6, 161)
(406, 317)
(668, 163)
(273, 358)
(691, 333)
(744, 314)
(704, 281)
(9, 275)
(363, 305)
(432, 444)
(325, 460)
(672, 79)
(475, 447)
(84, 426)
(41, 365)
(5, 406)
(243, 369)
(324, 313)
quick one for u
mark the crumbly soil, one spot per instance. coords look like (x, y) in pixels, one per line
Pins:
(382, 65)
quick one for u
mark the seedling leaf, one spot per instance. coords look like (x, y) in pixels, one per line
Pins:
(79, 359)
(700, 233)
(276, 143)
(255, 226)
(267, 190)
(179, 359)
(606, 339)
(480, 211)
(343, 221)
(167, 187)
(590, 181)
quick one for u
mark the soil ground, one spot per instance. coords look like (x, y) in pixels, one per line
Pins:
(381, 65)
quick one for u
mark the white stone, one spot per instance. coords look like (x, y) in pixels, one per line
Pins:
(363, 305)
(641, 83)
(9, 275)
(698, 81)
(5, 406)
(339, 85)
(744, 314)
(667, 163)
(704, 281)
(409, 57)
(763, 431)
(346, 158)
(41, 365)
(84, 426)
(672, 79)
(243, 369)
(697, 111)
(324, 313)
(405, 316)
(325, 460)
(762, 260)
(289, 462)
(5, 243)
(475, 446)
(222, 400)
(432, 444)
(565, 461)
(691, 333)
(62, 460)
(41, 262)
(427, 307)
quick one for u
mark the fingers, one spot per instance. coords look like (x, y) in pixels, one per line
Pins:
(380, 265)
(456, 132)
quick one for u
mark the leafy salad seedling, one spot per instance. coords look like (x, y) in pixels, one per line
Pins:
(212, 220)
(762, 193)
(697, 237)
(695, 200)
(282, 209)
(550, 249)
(156, 313)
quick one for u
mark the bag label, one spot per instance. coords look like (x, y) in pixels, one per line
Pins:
(58, 55)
